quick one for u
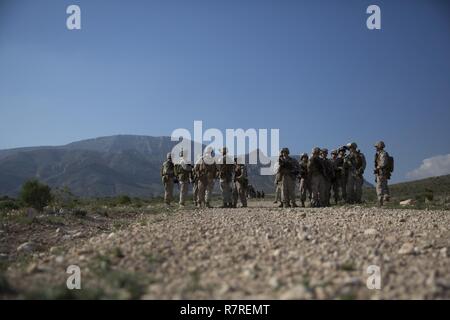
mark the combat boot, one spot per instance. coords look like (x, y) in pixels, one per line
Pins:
(303, 204)
(281, 205)
(294, 205)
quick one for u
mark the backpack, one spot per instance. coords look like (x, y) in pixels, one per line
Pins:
(390, 163)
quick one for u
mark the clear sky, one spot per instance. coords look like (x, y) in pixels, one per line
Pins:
(310, 68)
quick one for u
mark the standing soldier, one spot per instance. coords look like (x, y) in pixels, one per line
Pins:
(205, 173)
(168, 176)
(355, 164)
(360, 176)
(384, 166)
(328, 178)
(316, 178)
(225, 174)
(341, 172)
(289, 171)
(183, 173)
(240, 184)
(337, 176)
(304, 179)
(277, 182)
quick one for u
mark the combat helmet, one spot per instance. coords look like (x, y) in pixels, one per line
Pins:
(352, 145)
(285, 150)
(380, 144)
(303, 155)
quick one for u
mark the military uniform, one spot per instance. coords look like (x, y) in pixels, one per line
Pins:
(225, 174)
(304, 179)
(240, 185)
(355, 165)
(316, 177)
(382, 173)
(328, 175)
(183, 173)
(341, 175)
(288, 172)
(205, 171)
(167, 177)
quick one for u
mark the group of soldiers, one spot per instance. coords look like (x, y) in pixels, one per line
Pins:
(232, 176)
(319, 177)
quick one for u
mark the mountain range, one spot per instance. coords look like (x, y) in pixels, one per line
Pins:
(100, 167)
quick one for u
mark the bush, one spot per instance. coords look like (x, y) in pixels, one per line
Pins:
(7, 205)
(123, 200)
(36, 194)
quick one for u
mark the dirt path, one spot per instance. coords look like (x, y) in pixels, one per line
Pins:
(256, 252)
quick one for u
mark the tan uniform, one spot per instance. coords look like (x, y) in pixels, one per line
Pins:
(382, 176)
(205, 171)
(328, 177)
(183, 172)
(167, 176)
(315, 173)
(339, 185)
(225, 169)
(240, 185)
(288, 171)
(305, 186)
(355, 165)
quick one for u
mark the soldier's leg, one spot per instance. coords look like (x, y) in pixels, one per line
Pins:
(323, 192)
(201, 193)
(350, 189)
(386, 194)
(303, 191)
(235, 194)
(168, 191)
(315, 185)
(183, 192)
(343, 187)
(195, 192)
(336, 191)
(359, 181)
(209, 189)
(242, 194)
(292, 186)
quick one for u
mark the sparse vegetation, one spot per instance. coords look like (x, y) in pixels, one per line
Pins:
(36, 194)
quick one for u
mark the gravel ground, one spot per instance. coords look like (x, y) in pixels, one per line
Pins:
(259, 252)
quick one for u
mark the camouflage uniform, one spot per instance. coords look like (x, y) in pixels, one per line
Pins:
(225, 174)
(288, 172)
(205, 172)
(167, 177)
(328, 175)
(183, 173)
(240, 184)
(336, 184)
(341, 173)
(194, 187)
(315, 173)
(382, 173)
(355, 165)
(304, 179)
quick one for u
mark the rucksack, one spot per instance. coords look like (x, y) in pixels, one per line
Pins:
(390, 163)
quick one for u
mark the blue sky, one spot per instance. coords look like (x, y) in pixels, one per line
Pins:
(310, 68)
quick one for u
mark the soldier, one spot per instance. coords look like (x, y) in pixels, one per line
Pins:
(205, 171)
(289, 170)
(168, 176)
(383, 170)
(328, 175)
(225, 175)
(183, 173)
(355, 165)
(240, 184)
(277, 181)
(360, 176)
(336, 181)
(316, 177)
(305, 186)
(341, 173)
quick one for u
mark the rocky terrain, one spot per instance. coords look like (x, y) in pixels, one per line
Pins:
(259, 252)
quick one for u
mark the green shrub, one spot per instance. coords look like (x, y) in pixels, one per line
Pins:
(123, 200)
(36, 194)
(7, 205)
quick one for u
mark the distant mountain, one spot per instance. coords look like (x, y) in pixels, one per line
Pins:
(105, 166)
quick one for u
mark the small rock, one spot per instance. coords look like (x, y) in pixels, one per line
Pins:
(370, 232)
(408, 202)
(111, 235)
(26, 247)
(443, 252)
(408, 233)
(274, 282)
(77, 235)
(407, 248)
(295, 293)
(53, 250)
(59, 259)
(58, 230)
